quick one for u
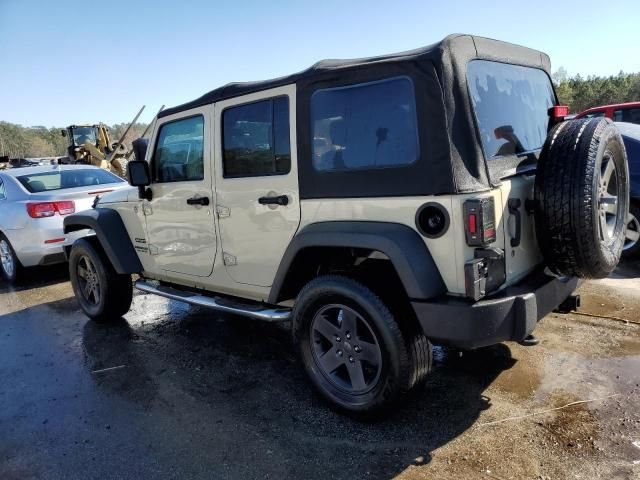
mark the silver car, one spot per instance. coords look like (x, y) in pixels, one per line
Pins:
(33, 203)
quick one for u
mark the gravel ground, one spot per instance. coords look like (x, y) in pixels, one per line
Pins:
(197, 395)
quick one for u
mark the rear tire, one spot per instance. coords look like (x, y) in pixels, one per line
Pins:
(353, 349)
(582, 198)
(10, 267)
(103, 294)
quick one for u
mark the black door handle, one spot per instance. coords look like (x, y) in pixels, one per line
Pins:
(198, 201)
(514, 209)
(279, 200)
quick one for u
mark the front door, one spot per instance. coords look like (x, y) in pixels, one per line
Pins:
(256, 182)
(180, 223)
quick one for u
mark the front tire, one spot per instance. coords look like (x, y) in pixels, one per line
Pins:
(103, 294)
(353, 349)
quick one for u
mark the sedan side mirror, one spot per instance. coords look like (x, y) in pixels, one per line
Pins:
(139, 176)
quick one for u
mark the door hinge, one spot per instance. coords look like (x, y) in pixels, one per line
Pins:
(153, 250)
(223, 212)
(229, 260)
(146, 208)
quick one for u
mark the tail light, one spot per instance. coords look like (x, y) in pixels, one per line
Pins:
(558, 112)
(480, 221)
(66, 207)
(49, 209)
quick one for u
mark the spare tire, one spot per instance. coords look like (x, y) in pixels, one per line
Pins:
(582, 198)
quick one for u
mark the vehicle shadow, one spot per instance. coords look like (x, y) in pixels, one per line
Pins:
(37, 277)
(248, 372)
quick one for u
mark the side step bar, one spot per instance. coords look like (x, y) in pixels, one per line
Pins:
(253, 310)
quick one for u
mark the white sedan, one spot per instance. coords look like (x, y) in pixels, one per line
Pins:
(33, 202)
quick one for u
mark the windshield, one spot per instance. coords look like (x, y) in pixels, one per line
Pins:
(63, 179)
(511, 105)
(82, 135)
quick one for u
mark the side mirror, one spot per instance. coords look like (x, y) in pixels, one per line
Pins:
(63, 133)
(138, 173)
(139, 176)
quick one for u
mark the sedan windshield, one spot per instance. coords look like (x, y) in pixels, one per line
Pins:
(63, 179)
(511, 104)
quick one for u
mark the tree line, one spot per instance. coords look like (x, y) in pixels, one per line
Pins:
(579, 93)
(17, 141)
(582, 93)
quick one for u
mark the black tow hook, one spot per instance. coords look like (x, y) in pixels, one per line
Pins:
(529, 341)
(570, 304)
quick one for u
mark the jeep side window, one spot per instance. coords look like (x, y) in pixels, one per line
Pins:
(256, 139)
(179, 151)
(365, 126)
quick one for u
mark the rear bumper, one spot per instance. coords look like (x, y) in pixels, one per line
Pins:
(511, 314)
(31, 249)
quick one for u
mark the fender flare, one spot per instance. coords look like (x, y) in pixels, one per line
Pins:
(112, 235)
(403, 245)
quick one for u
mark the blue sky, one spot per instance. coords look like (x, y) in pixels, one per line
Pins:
(69, 62)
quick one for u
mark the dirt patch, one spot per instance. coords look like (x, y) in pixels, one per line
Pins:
(573, 429)
(605, 302)
(546, 446)
(589, 336)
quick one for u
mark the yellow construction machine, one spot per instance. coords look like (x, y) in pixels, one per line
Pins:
(91, 145)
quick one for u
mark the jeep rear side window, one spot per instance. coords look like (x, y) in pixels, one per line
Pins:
(365, 126)
(179, 151)
(511, 104)
(256, 139)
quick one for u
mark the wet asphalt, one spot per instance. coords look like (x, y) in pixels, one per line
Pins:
(173, 391)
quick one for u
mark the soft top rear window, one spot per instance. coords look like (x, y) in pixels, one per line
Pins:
(511, 104)
(63, 179)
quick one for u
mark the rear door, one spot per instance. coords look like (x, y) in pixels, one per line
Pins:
(180, 224)
(256, 182)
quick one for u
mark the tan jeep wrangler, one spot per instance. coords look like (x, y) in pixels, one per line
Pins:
(380, 205)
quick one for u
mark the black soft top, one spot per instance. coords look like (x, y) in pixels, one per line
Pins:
(444, 51)
(456, 162)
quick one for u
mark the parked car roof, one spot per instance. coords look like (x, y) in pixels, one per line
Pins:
(611, 105)
(16, 172)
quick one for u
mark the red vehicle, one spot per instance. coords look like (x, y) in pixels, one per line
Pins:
(618, 112)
